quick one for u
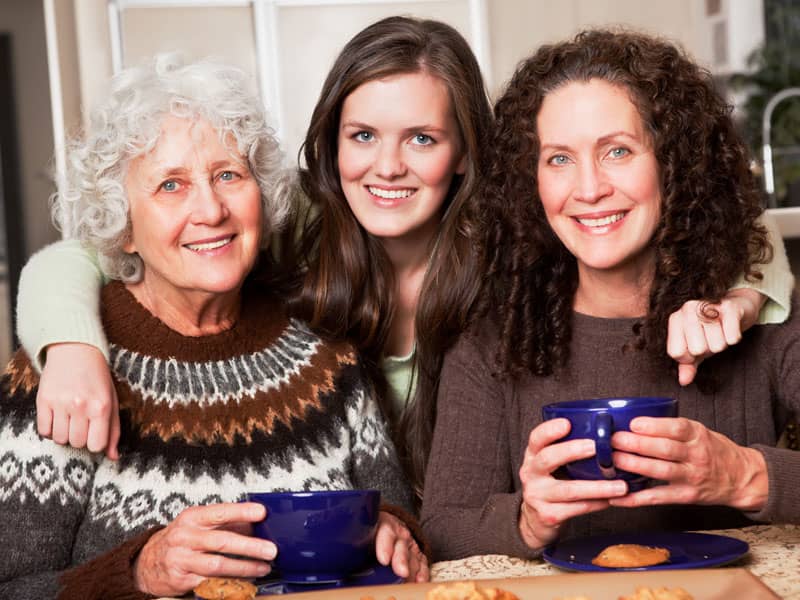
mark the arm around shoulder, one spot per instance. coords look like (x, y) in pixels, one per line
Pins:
(59, 300)
(777, 282)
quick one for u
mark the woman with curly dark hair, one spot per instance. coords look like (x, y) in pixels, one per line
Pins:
(618, 191)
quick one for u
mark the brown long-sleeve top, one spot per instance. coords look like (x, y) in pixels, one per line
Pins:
(472, 486)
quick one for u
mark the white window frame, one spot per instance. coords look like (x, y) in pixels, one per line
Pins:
(267, 39)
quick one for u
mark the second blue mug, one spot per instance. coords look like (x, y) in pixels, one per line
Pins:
(597, 419)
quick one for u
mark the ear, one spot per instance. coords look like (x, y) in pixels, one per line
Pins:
(461, 167)
(129, 246)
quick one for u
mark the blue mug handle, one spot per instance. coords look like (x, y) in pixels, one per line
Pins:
(603, 428)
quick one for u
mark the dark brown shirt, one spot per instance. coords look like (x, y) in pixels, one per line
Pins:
(472, 488)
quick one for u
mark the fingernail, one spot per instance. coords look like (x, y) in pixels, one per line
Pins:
(588, 447)
(264, 569)
(270, 551)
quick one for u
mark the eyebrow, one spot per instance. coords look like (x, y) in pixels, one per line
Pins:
(170, 171)
(407, 130)
(603, 139)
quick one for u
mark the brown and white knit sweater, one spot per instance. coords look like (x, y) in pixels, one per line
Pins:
(472, 485)
(266, 405)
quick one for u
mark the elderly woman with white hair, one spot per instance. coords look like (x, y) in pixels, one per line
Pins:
(177, 186)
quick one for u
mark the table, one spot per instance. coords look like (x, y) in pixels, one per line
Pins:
(774, 557)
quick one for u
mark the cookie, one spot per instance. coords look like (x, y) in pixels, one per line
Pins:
(467, 590)
(663, 593)
(630, 556)
(223, 588)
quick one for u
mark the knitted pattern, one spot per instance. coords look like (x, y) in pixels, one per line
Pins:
(264, 406)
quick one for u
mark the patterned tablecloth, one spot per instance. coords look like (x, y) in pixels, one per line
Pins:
(774, 557)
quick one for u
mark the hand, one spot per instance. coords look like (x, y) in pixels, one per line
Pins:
(547, 502)
(699, 329)
(77, 402)
(699, 465)
(395, 545)
(193, 547)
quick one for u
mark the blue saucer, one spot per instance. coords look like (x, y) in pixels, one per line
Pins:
(375, 575)
(687, 550)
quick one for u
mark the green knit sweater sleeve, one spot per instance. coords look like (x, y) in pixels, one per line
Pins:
(777, 282)
(59, 299)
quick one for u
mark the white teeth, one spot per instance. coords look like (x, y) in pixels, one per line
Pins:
(390, 194)
(601, 222)
(209, 245)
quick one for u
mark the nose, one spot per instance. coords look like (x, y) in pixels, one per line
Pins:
(208, 206)
(592, 185)
(389, 163)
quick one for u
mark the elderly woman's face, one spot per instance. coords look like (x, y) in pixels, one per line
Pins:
(195, 211)
(598, 176)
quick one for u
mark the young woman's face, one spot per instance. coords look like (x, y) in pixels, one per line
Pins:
(399, 146)
(598, 176)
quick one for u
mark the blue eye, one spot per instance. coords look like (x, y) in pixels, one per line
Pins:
(619, 152)
(170, 185)
(227, 175)
(558, 160)
(423, 140)
(363, 136)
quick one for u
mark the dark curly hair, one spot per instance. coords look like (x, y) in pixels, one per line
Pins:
(707, 234)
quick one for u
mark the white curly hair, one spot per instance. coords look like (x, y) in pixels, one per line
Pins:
(93, 205)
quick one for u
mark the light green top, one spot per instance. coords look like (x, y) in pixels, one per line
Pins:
(399, 373)
(59, 301)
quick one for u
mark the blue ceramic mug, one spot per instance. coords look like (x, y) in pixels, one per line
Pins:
(320, 535)
(598, 419)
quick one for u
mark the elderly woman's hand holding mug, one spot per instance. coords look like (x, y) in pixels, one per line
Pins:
(199, 544)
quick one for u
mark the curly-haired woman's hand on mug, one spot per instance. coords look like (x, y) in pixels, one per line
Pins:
(548, 502)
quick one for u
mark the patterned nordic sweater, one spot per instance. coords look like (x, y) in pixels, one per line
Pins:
(266, 405)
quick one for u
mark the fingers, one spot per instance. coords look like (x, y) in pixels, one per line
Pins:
(675, 428)
(550, 458)
(731, 326)
(60, 427)
(395, 545)
(687, 373)
(546, 433)
(660, 447)
(224, 542)
(215, 565)
(385, 539)
(78, 432)
(112, 450)
(664, 494)
(219, 515)
(44, 417)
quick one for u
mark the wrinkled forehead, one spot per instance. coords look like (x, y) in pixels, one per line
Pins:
(171, 136)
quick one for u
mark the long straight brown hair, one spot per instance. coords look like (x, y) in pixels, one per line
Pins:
(349, 282)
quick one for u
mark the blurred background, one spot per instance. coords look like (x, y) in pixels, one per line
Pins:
(56, 57)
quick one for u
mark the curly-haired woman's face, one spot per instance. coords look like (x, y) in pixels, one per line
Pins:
(598, 177)
(398, 149)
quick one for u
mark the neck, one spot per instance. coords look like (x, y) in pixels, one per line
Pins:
(409, 257)
(193, 314)
(614, 294)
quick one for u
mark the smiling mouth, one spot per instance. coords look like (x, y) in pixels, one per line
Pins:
(602, 221)
(391, 194)
(205, 246)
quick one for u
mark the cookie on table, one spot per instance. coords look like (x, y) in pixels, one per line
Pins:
(467, 590)
(224, 588)
(630, 556)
